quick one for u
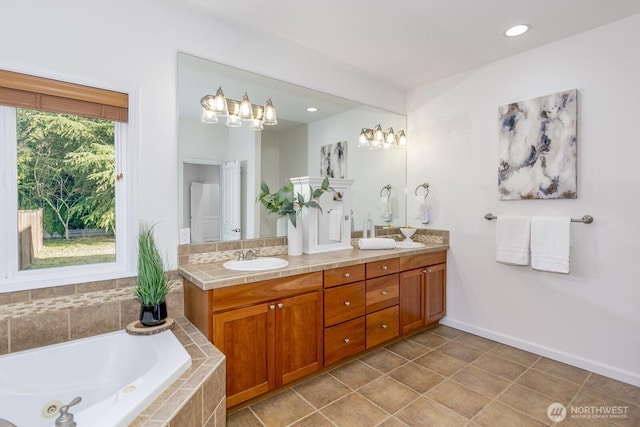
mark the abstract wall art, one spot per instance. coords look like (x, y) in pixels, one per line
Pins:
(333, 160)
(537, 148)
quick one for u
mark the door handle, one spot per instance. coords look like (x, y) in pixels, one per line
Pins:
(235, 230)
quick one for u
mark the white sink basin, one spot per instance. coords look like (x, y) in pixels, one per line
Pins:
(258, 264)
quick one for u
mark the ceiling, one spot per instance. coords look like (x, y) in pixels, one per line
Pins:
(409, 43)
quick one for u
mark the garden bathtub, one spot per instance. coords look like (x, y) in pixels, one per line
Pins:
(117, 375)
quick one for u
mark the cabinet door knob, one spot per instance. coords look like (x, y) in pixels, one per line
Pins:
(424, 271)
(384, 326)
(272, 307)
(347, 275)
(384, 292)
(346, 340)
(429, 270)
(280, 305)
(384, 267)
(347, 303)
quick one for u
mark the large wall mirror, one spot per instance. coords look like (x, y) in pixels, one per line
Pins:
(221, 167)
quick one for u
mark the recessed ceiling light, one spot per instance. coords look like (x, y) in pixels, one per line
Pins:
(312, 109)
(517, 30)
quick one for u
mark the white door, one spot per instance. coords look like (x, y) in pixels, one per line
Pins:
(205, 217)
(230, 200)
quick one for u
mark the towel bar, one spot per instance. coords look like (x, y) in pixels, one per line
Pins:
(587, 219)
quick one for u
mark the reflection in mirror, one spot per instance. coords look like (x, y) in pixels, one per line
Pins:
(217, 205)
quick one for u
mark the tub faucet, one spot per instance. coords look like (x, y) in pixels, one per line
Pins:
(5, 423)
(66, 419)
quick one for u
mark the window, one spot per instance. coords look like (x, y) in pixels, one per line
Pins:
(62, 187)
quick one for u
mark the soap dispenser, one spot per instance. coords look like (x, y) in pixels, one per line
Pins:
(367, 229)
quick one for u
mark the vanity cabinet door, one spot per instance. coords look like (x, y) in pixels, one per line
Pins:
(246, 337)
(412, 297)
(298, 337)
(436, 292)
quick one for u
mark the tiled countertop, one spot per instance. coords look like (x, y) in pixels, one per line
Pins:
(212, 275)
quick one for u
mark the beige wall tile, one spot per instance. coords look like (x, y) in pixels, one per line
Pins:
(102, 285)
(213, 392)
(13, 297)
(190, 414)
(129, 311)
(55, 291)
(39, 330)
(94, 320)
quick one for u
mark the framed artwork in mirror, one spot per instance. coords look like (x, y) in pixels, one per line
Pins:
(333, 160)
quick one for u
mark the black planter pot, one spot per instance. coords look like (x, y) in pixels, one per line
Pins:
(153, 315)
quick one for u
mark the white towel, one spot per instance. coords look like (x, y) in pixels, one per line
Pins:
(512, 239)
(335, 225)
(418, 207)
(376, 243)
(550, 243)
(384, 205)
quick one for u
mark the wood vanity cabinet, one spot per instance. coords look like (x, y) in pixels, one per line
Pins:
(271, 332)
(422, 290)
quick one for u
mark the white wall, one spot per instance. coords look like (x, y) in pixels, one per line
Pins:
(591, 317)
(132, 46)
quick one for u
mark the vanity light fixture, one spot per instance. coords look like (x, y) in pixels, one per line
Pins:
(376, 138)
(214, 107)
(517, 30)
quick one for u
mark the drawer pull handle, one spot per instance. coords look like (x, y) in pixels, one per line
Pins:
(384, 326)
(347, 303)
(347, 275)
(384, 292)
(346, 340)
(280, 305)
(272, 307)
(384, 267)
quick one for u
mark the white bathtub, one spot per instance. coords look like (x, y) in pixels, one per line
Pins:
(116, 374)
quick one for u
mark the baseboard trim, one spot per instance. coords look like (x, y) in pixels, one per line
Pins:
(560, 356)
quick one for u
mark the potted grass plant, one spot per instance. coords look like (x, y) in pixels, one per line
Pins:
(153, 282)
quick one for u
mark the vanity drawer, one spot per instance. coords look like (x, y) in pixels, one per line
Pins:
(342, 275)
(422, 260)
(344, 303)
(382, 268)
(382, 326)
(382, 292)
(343, 340)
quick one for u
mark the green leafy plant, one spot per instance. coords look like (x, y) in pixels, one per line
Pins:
(285, 202)
(153, 282)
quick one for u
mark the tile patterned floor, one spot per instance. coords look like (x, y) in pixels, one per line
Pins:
(445, 377)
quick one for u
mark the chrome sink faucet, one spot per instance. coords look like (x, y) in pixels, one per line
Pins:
(250, 254)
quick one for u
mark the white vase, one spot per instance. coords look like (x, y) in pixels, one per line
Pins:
(281, 226)
(294, 238)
